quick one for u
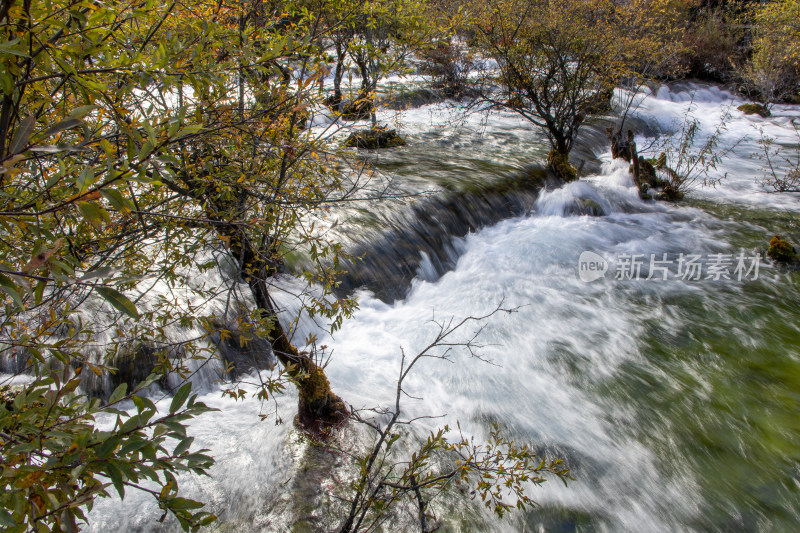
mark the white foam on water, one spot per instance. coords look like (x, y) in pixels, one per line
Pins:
(564, 341)
(529, 264)
(532, 263)
(253, 467)
(740, 170)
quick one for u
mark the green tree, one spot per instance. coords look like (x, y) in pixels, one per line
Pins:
(773, 71)
(499, 470)
(558, 61)
(135, 138)
(378, 37)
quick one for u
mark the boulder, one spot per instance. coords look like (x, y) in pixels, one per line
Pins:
(781, 251)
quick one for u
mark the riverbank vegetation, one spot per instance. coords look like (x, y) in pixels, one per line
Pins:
(143, 141)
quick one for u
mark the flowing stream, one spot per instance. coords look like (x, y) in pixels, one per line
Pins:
(675, 402)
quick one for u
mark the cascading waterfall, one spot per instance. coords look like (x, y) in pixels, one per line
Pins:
(673, 401)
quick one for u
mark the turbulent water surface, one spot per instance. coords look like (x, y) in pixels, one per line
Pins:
(675, 402)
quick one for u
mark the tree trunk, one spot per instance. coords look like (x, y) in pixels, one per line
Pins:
(619, 147)
(558, 162)
(5, 123)
(319, 409)
(634, 158)
(338, 74)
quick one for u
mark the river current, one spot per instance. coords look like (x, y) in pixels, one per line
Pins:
(674, 401)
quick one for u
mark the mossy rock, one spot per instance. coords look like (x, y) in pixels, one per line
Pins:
(651, 185)
(647, 174)
(669, 194)
(755, 109)
(781, 251)
(588, 207)
(559, 163)
(374, 139)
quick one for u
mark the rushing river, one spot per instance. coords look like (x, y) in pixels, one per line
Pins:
(674, 401)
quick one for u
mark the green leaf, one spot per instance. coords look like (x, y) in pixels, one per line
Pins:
(131, 424)
(102, 272)
(117, 478)
(82, 111)
(183, 503)
(85, 179)
(189, 130)
(118, 393)
(149, 380)
(119, 301)
(105, 449)
(10, 47)
(180, 397)
(11, 289)
(94, 214)
(208, 519)
(39, 292)
(132, 446)
(183, 446)
(117, 200)
(142, 404)
(61, 126)
(6, 520)
(146, 150)
(22, 135)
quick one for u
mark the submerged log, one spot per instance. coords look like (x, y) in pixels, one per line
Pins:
(645, 171)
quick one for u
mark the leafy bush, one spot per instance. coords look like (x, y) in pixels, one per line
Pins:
(773, 71)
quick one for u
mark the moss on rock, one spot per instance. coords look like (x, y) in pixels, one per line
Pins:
(781, 251)
(588, 207)
(755, 109)
(374, 138)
